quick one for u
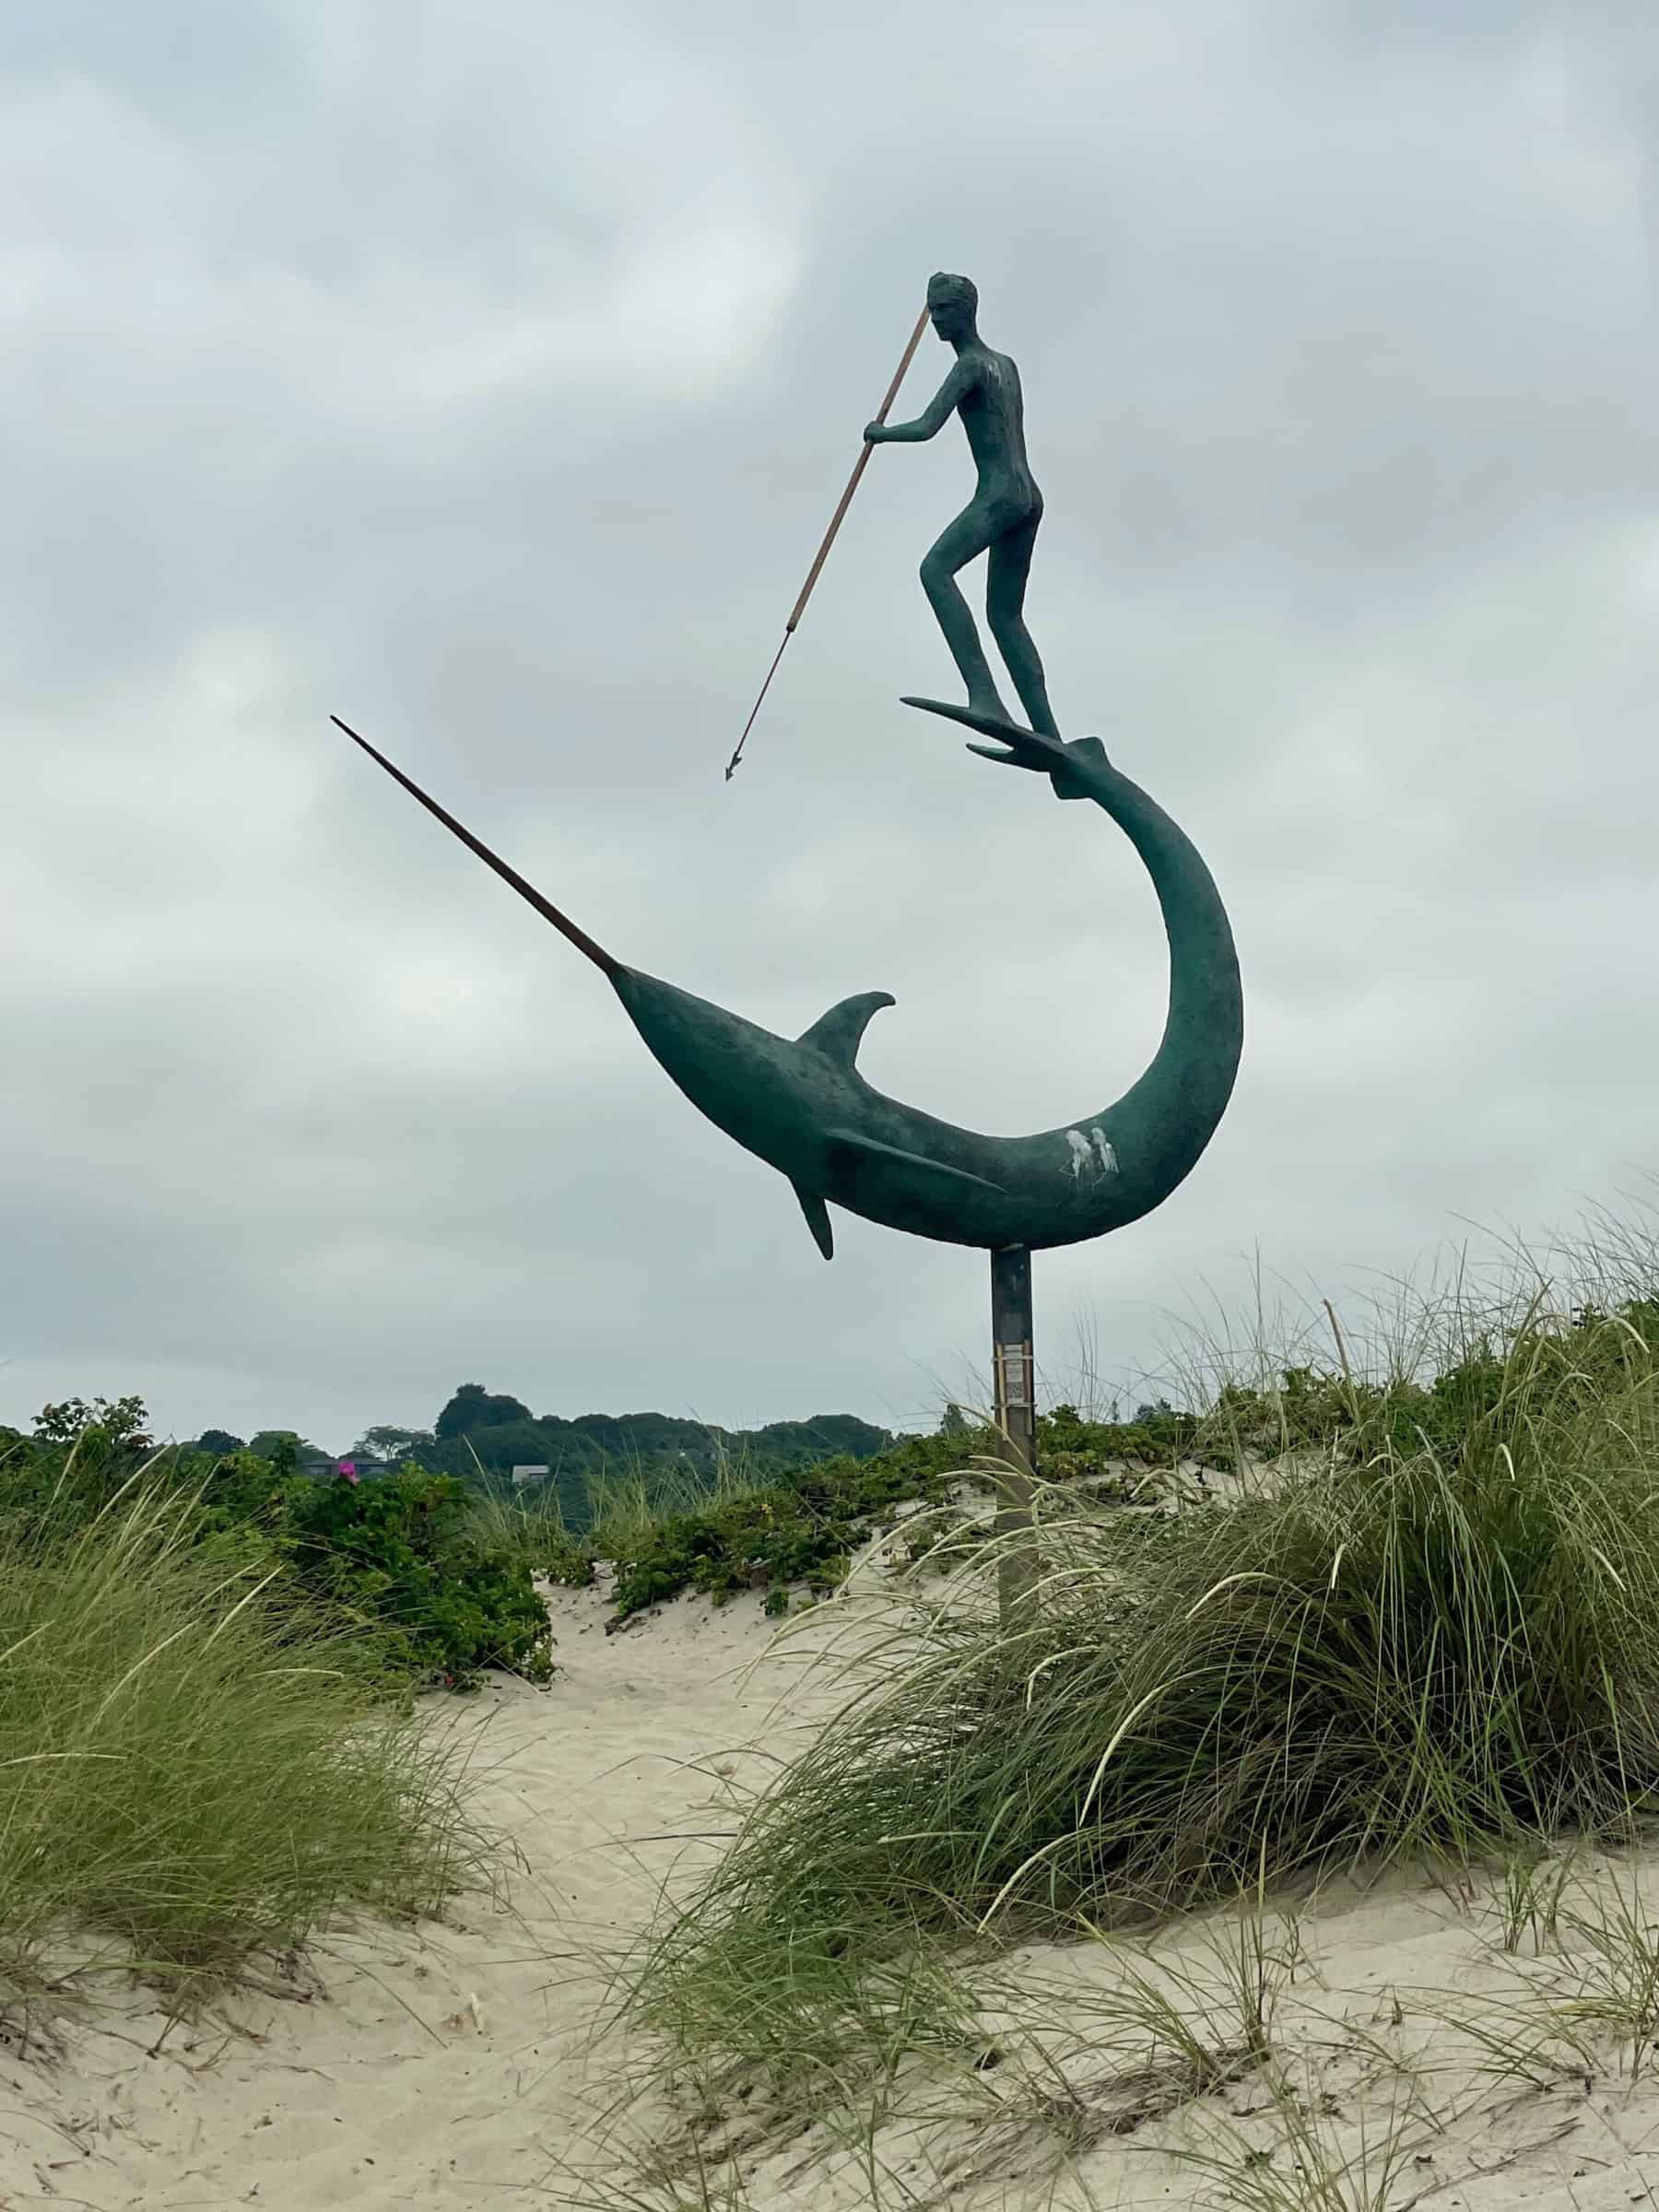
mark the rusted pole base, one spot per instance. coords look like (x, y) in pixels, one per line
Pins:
(1013, 1367)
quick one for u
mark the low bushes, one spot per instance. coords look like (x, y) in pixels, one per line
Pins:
(402, 1556)
(803, 1528)
(800, 1530)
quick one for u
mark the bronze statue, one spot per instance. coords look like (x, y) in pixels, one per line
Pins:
(1001, 517)
(800, 1104)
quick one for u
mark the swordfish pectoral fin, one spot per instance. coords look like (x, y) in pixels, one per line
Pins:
(817, 1219)
(871, 1148)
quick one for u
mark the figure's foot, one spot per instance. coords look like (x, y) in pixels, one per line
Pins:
(1020, 748)
(986, 702)
(1025, 748)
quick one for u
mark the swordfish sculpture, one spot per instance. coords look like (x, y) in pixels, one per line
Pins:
(800, 1105)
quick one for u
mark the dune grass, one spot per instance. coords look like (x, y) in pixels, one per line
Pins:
(195, 1767)
(664, 1530)
(1430, 1627)
(627, 1506)
(527, 1522)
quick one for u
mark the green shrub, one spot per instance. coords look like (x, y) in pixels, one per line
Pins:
(804, 1527)
(57, 1485)
(801, 1529)
(401, 1554)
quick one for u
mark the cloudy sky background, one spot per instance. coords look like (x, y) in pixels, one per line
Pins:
(487, 374)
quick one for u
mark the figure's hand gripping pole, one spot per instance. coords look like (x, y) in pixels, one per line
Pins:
(823, 551)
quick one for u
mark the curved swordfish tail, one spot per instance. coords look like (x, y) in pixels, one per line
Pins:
(602, 960)
(1161, 1124)
(1177, 1104)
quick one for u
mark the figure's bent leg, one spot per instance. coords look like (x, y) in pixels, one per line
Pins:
(959, 543)
(1010, 564)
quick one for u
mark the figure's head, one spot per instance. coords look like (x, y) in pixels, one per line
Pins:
(952, 302)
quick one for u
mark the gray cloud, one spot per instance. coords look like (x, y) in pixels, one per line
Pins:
(488, 375)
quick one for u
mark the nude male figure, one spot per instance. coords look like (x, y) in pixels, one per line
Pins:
(1001, 518)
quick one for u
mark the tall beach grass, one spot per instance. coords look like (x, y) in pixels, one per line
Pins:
(624, 1505)
(193, 1767)
(1424, 1621)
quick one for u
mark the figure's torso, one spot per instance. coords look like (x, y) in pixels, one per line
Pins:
(993, 412)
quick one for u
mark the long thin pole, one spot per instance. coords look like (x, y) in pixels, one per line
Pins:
(1017, 1568)
(823, 551)
(545, 908)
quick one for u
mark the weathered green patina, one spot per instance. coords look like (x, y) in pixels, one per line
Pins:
(1000, 520)
(800, 1105)
(803, 1106)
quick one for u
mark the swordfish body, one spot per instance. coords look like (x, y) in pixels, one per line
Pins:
(800, 1105)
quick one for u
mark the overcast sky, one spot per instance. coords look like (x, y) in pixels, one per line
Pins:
(487, 373)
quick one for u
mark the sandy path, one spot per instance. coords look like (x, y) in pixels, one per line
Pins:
(450, 2068)
(396, 2088)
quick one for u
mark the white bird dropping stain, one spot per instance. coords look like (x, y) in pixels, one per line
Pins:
(1093, 1153)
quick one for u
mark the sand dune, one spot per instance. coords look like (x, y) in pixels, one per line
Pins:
(443, 2067)
(451, 2066)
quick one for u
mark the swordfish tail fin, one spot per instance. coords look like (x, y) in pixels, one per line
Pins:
(585, 945)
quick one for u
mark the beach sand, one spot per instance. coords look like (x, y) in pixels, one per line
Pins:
(453, 2064)
(442, 2066)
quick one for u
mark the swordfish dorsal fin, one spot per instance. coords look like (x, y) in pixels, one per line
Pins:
(839, 1033)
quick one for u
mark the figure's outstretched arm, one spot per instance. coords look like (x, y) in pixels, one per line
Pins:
(933, 417)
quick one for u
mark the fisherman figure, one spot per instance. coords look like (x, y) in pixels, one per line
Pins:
(1001, 518)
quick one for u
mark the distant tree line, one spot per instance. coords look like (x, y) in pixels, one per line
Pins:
(482, 1434)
